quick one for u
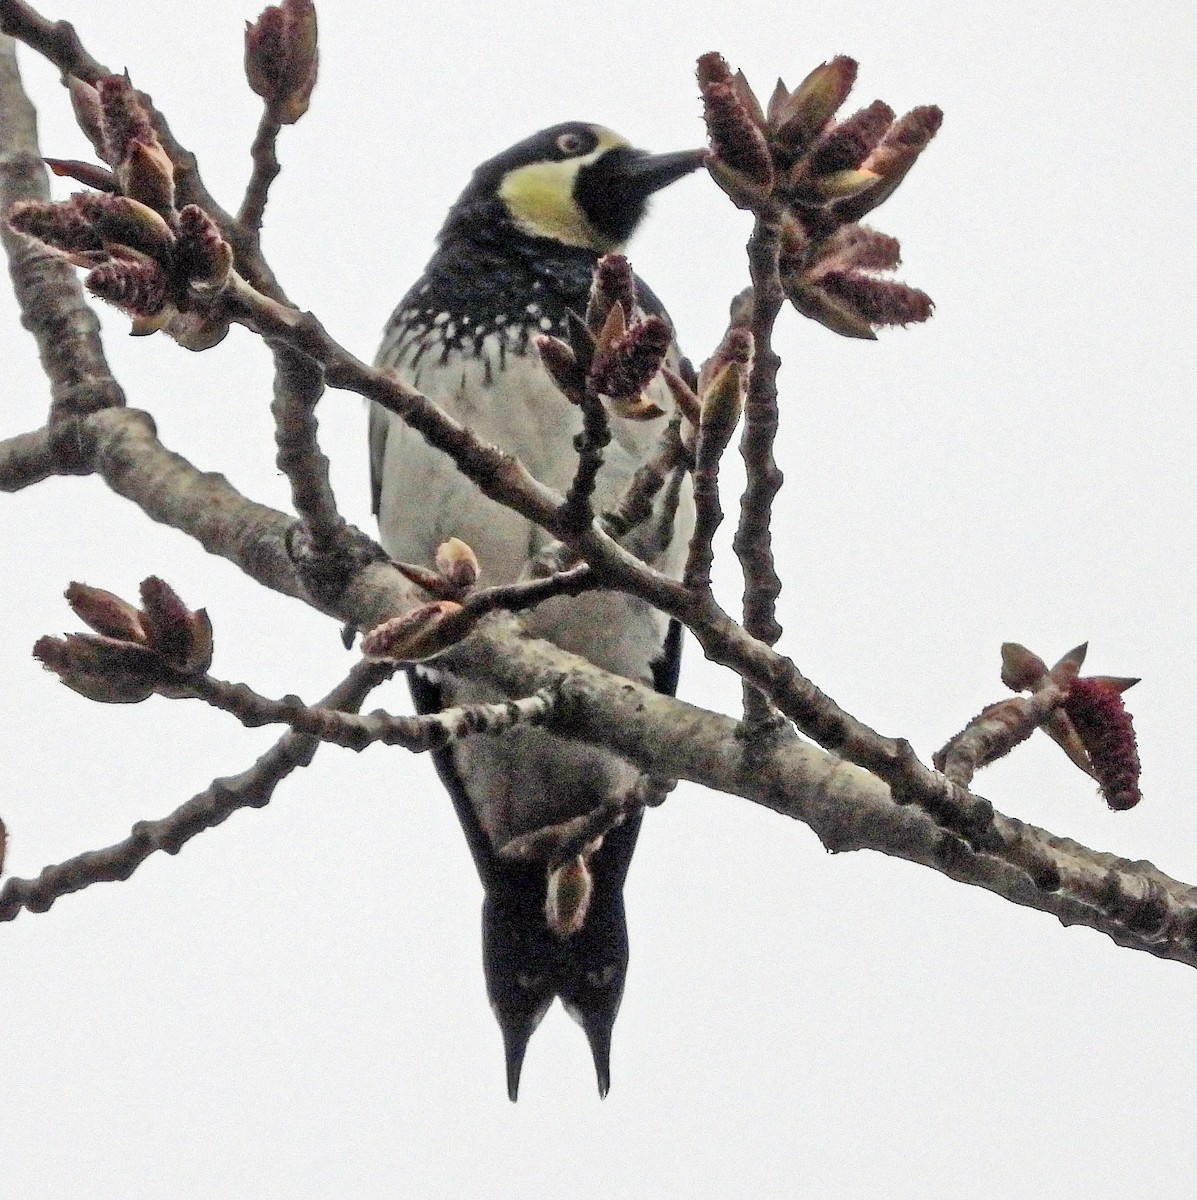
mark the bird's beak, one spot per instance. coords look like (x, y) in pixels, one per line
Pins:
(648, 173)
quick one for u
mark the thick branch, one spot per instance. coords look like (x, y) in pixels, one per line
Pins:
(26, 459)
(847, 807)
(51, 301)
(1132, 902)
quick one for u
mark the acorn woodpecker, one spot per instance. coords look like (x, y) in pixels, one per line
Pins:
(516, 254)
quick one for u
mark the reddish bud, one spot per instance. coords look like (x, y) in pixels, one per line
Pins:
(801, 117)
(892, 159)
(204, 256)
(147, 174)
(1069, 666)
(849, 143)
(629, 365)
(562, 365)
(123, 221)
(1022, 669)
(137, 288)
(832, 312)
(722, 403)
(582, 342)
(736, 140)
(748, 98)
(281, 58)
(182, 637)
(1105, 727)
(683, 395)
(85, 101)
(123, 118)
(613, 283)
(102, 668)
(106, 613)
(86, 173)
(737, 346)
(856, 247)
(64, 226)
(712, 68)
(420, 634)
(878, 301)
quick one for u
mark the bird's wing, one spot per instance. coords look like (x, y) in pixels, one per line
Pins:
(379, 422)
(426, 694)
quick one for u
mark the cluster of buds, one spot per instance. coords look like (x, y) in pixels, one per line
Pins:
(428, 629)
(154, 262)
(134, 652)
(820, 176)
(281, 58)
(1092, 724)
(612, 351)
(1085, 716)
(712, 408)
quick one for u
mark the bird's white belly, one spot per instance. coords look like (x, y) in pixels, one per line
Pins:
(426, 499)
(528, 778)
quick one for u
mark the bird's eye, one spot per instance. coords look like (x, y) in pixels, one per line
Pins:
(602, 978)
(570, 143)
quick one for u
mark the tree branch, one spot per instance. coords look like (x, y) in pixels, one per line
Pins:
(753, 542)
(58, 42)
(324, 723)
(848, 807)
(251, 789)
(52, 304)
(265, 170)
(297, 389)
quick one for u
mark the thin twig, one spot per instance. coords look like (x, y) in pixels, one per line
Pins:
(996, 731)
(576, 510)
(265, 171)
(528, 593)
(714, 434)
(298, 386)
(635, 506)
(251, 789)
(554, 845)
(324, 723)
(753, 542)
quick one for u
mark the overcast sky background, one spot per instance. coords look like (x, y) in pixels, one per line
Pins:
(294, 1005)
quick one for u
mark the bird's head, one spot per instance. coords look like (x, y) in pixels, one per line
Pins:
(577, 184)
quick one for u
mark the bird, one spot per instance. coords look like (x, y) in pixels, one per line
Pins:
(515, 256)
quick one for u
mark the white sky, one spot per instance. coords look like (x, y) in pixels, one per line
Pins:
(294, 1005)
